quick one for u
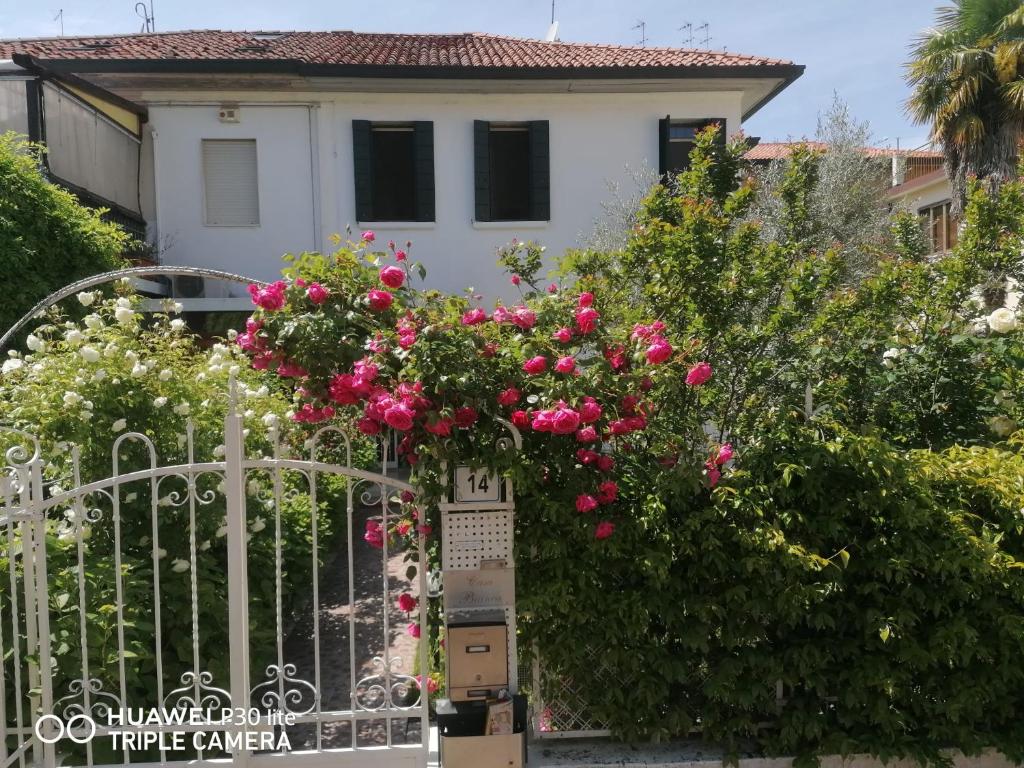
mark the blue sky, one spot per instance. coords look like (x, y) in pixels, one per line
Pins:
(855, 48)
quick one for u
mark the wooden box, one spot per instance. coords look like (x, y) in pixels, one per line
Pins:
(477, 660)
(483, 751)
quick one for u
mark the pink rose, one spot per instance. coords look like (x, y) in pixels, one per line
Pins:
(536, 365)
(474, 317)
(291, 370)
(401, 255)
(373, 535)
(564, 421)
(399, 416)
(523, 318)
(542, 421)
(515, 279)
(566, 364)
(563, 335)
(269, 297)
(407, 497)
(587, 435)
(317, 293)
(608, 491)
(587, 457)
(714, 474)
(585, 503)
(586, 319)
(590, 411)
(406, 602)
(586, 299)
(432, 686)
(520, 419)
(424, 530)
(403, 527)
(699, 374)
(465, 417)
(725, 453)
(379, 300)
(392, 276)
(509, 396)
(659, 351)
(414, 629)
(368, 426)
(442, 427)
(501, 315)
(616, 357)
(552, 288)
(603, 530)
(369, 236)
(605, 463)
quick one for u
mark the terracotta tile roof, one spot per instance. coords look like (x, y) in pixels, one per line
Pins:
(466, 51)
(782, 149)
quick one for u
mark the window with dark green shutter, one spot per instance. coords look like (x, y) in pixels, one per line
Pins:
(394, 170)
(512, 171)
(676, 139)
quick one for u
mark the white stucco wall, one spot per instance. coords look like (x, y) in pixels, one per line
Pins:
(306, 171)
(916, 198)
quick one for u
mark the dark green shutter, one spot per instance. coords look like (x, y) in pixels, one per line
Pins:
(482, 169)
(663, 126)
(423, 152)
(362, 167)
(540, 171)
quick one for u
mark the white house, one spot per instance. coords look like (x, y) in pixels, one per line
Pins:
(260, 143)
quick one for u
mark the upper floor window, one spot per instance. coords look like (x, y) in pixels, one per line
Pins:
(394, 170)
(940, 227)
(230, 183)
(677, 139)
(512, 171)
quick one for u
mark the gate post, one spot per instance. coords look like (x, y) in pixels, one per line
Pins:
(43, 604)
(238, 556)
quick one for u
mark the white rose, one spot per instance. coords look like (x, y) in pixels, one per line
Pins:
(89, 354)
(270, 420)
(86, 298)
(74, 336)
(72, 399)
(165, 501)
(204, 546)
(890, 356)
(131, 356)
(110, 350)
(232, 334)
(34, 343)
(182, 409)
(1002, 320)
(222, 531)
(129, 498)
(161, 553)
(11, 364)
(100, 374)
(165, 374)
(179, 566)
(177, 324)
(218, 451)
(85, 415)
(138, 370)
(123, 315)
(124, 302)
(94, 321)
(118, 425)
(160, 402)
(257, 525)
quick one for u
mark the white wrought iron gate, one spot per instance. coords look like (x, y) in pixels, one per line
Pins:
(181, 589)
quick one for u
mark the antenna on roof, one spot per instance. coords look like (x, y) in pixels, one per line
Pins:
(146, 14)
(60, 17)
(552, 34)
(688, 27)
(642, 26)
(707, 34)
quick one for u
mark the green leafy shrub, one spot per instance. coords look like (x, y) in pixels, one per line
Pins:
(47, 238)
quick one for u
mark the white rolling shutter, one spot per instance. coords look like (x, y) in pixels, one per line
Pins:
(230, 183)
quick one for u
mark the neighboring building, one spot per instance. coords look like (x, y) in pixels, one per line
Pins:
(259, 143)
(918, 183)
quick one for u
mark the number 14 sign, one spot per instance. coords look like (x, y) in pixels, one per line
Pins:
(476, 485)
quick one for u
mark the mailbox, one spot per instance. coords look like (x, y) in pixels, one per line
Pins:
(477, 659)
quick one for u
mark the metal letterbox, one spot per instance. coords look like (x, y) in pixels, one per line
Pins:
(477, 660)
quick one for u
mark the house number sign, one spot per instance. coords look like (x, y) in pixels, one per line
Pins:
(476, 485)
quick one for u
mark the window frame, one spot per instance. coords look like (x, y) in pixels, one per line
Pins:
(538, 182)
(256, 172)
(665, 139)
(424, 184)
(947, 225)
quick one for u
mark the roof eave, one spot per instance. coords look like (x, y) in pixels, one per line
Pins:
(786, 72)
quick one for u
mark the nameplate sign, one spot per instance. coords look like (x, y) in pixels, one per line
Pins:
(486, 588)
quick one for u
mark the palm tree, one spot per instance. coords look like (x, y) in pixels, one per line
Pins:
(968, 81)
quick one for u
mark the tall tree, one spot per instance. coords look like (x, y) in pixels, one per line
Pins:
(968, 79)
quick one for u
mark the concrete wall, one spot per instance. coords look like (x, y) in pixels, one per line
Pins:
(306, 171)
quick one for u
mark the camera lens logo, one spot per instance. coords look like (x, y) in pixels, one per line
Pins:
(80, 729)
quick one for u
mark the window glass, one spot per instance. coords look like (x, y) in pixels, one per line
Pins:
(392, 157)
(510, 174)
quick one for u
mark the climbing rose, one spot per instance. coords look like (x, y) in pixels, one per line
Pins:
(509, 396)
(391, 276)
(586, 456)
(605, 463)
(316, 293)
(714, 474)
(373, 535)
(553, 288)
(564, 420)
(432, 685)
(566, 364)
(608, 491)
(542, 421)
(586, 319)
(474, 317)
(586, 299)
(465, 417)
(523, 318)
(399, 416)
(699, 374)
(406, 602)
(590, 411)
(269, 297)
(403, 527)
(520, 419)
(563, 335)
(724, 454)
(535, 365)
(442, 427)
(369, 236)
(616, 356)
(659, 351)
(291, 370)
(587, 435)
(414, 629)
(1002, 320)
(585, 503)
(368, 426)
(603, 530)
(515, 279)
(401, 255)
(379, 300)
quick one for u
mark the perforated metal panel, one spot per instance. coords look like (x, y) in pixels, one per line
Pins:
(470, 537)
